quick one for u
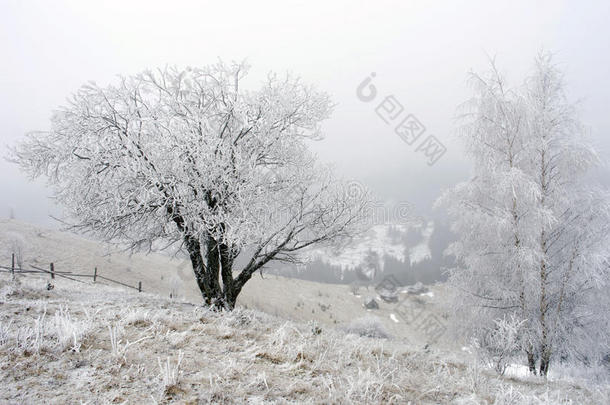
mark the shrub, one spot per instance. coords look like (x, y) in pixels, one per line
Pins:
(497, 346)
(368, 326)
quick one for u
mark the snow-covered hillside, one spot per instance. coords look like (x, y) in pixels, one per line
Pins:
(289, 340)
(406, 243)
(80, 343)
(412, 252)
(382, 240)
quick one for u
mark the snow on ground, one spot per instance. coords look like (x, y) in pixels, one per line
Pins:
(299, 300)
(82, 343)
(286, 342)
(517, 370)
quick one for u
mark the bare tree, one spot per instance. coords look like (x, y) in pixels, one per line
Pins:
(193, 157)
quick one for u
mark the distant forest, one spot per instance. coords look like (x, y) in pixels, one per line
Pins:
(426, 271)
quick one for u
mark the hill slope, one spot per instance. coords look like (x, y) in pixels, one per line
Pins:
(80, 343)
(299, 300)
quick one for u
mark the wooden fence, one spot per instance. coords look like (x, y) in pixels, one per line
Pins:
(63, 274)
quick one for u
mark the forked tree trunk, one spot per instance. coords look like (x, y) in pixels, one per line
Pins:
(545, 361)
(209, 269)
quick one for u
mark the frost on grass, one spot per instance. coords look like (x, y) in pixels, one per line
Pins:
(57, 334)
(368, 326)
(170, 373)
(138, 348)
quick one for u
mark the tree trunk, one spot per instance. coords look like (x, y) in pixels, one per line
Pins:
(545, 344)
(545, 361)
(211, 275)
(531, 361)
(217, 263)
(226, 273)
(193, 246)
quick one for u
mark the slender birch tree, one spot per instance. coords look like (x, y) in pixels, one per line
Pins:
(532, 234)
(571, 218)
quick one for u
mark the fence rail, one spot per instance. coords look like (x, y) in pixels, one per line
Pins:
(13, 269)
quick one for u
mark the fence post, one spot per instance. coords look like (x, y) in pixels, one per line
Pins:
(52, 270)
(13, 265)
(94, 274)
(139, 286)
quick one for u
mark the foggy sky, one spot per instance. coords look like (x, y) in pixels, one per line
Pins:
(420, 52)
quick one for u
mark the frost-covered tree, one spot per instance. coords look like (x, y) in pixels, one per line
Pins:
(571, 222)
(488, 210)
(193, 157)
(532, 235)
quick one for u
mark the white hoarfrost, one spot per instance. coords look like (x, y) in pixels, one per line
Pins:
(197, 159)
(382, 241)
(533, 233)
(184, 353)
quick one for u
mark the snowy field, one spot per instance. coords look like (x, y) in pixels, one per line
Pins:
(289, 341)
(95, 344)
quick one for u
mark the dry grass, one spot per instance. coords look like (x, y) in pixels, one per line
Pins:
(85, 344)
